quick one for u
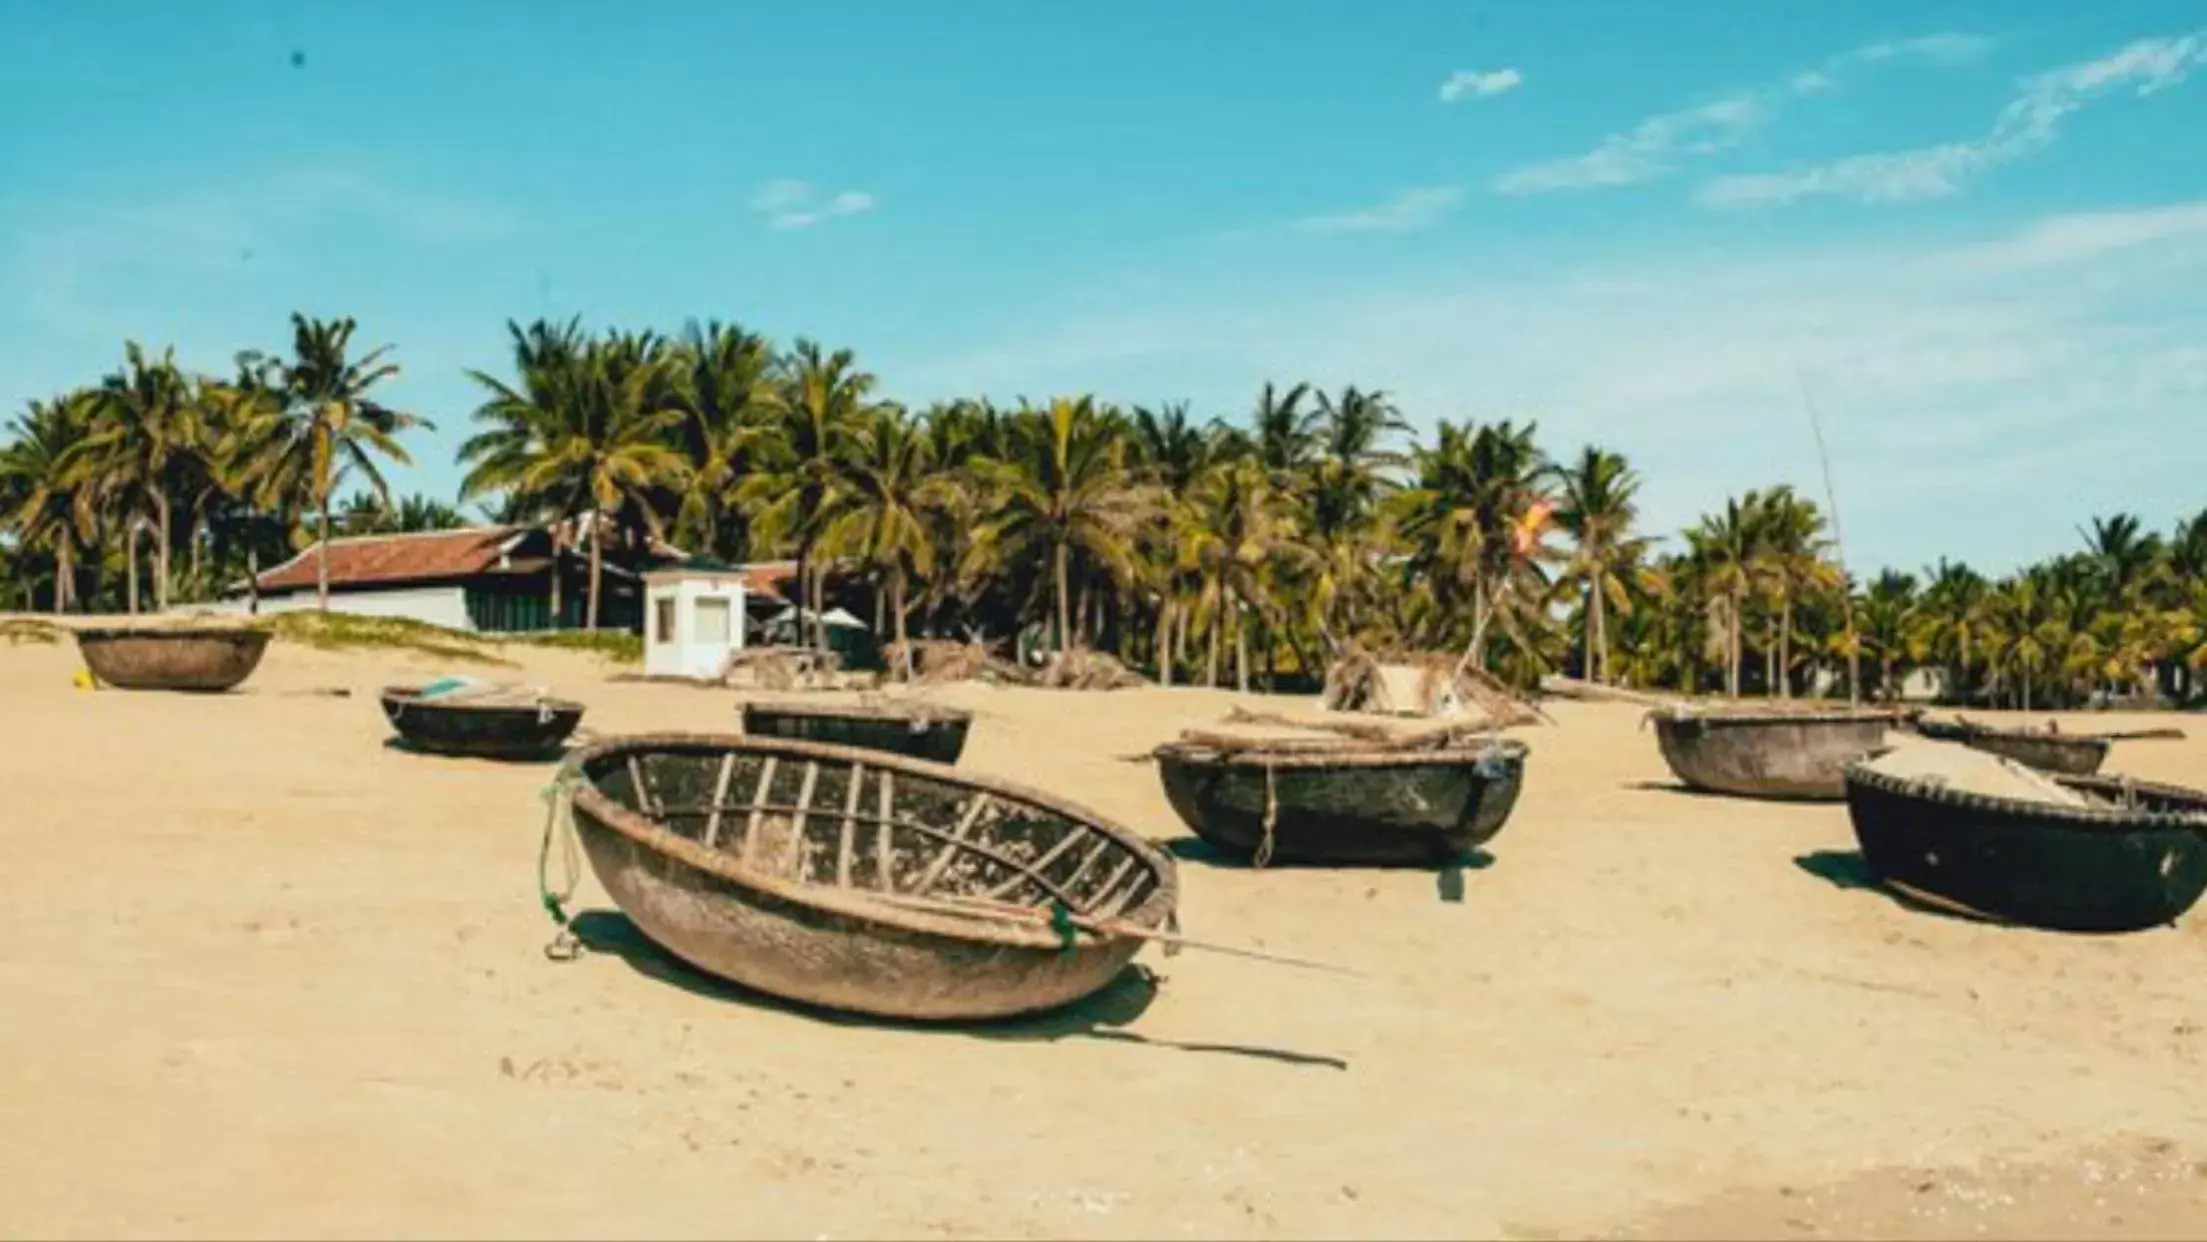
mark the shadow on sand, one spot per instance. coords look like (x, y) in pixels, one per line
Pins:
(552, 755)
(1847, 870)
(1448, 877)
(1099, 1016)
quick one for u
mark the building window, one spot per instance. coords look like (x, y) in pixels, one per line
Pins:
(712, 621)
(663, 620)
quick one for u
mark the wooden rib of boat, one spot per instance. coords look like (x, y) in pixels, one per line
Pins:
(1343, 803)
(2135, 859)
(496, 728)
(1751, 753)
(919, 730)
(857, 880)
(200, 658)
(2066, 754)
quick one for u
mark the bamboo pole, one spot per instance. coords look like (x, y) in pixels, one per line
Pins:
(1839, 544)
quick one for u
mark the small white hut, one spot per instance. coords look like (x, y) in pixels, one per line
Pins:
(693, 618)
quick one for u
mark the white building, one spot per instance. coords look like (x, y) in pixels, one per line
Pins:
(695, 617)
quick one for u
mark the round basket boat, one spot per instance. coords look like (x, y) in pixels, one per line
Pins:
(1344, 805)
(2137, 859)
(1755, 754)
(205, 659)
(2059, 753)
(524, 729)
(861, 881)
(920, 730)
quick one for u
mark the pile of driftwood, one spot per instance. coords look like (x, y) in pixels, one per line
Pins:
(1421, 683)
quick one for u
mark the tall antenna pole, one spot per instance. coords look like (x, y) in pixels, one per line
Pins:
(1839, 542)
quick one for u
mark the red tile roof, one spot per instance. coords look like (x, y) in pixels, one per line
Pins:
(370, 559)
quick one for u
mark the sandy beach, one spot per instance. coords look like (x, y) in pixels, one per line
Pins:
(267, 976)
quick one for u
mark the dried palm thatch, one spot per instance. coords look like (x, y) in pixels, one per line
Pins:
(1081, 669)
(936, 661)
(1421, 683)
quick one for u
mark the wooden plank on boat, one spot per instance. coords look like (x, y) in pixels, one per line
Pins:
(884, 855)
(844, 842)
(941, 862)
(720, 795)
(757, 811)
(803, 820)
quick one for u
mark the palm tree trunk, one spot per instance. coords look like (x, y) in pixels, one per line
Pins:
(1210, 668)
(1241, 648)
(161, 586)
(804, 592)
(1164, 641)
(1785, 646)
(1065, 598)
(1601, 634)
(557, 601)
(597, 566)
(322, 551)
(252, 581)
(62, 573)
(130, 541)
(896, 605)
(1479, 611)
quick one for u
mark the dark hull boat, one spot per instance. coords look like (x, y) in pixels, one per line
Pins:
(493, 729)
(922, 731)
(1793, 755)
(2062, 754)
(2137, 859)
(860, 881)
(204, 659)
(1344, 805)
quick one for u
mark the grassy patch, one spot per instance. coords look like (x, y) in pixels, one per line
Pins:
(30, 630)
(338, 631)
(613, 646)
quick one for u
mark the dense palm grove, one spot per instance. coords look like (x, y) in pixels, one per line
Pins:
(1221, 551)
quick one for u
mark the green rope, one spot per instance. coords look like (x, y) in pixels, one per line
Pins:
(557, 809)
(1061, 922)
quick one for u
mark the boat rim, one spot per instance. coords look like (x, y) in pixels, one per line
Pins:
(641, 829)
(901, 711)
(407, 696)
(1859, 772)
(1325, 753)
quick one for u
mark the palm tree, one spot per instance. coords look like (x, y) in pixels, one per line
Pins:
(322, 425)
(881, 514)
(589, 427)
(822, 400)
(1065, 487)
(1725, 544)
(1474, 521)
(522, 419)
(47, 508)
(1595, 508)
(1235, 530)
(724, 379)
(145, 423)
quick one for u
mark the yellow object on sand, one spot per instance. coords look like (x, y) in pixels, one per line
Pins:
(84, 680)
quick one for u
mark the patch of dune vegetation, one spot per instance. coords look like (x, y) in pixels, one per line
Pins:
(613, 646)
(338, 631)
(18, 630)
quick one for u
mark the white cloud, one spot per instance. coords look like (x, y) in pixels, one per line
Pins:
(1408, 209)
(2060, 360)
(2029, 123)
(786, 203)
(1644, 152)
(1479, 83)
(1656, 146)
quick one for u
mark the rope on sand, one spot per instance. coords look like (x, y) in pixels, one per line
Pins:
(559, 821)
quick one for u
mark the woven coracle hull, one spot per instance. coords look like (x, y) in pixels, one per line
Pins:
(937, 735)
(842, 878)
(1399, 809)
(2048, 752)
(201, 658)
(1800, 757)
(492, 731)
(2089, 870)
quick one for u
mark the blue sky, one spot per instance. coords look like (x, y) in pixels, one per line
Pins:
(1980, 230)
